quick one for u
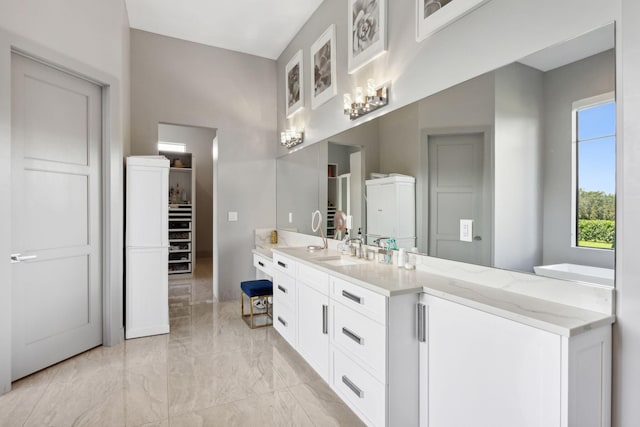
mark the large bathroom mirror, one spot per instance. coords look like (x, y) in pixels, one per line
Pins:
(525, 152)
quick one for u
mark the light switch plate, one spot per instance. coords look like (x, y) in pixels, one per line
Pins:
(290, 217)
(232, 216)
(466, 230)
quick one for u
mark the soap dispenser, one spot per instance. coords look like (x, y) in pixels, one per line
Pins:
(345, 245)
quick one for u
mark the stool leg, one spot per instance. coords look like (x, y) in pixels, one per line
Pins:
(251, 308)
(242, 303)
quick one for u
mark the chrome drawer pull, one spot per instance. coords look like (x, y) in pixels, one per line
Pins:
(281, 320)
(284, 290)
(260, 263)
(354, 388)
(325, 319)
(352, 297)
(422, 323)
(282, 264)
(353, 336)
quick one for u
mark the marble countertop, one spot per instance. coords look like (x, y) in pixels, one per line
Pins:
(389, 280)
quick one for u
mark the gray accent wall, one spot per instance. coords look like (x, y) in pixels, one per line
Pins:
(174, 81)
(562, 87)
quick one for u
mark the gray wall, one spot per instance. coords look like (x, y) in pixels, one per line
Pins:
(92, 39)
(518, 136)
(199, 142)
(563, 86)
(174, 81)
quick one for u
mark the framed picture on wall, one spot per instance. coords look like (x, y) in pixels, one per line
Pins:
(294, 96)
(367, 32)
(323, 68)
(433, 15)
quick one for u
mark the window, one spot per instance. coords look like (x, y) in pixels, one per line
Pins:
(177, 147)
(595, 170)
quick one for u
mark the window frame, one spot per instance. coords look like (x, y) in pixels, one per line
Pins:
(575, 107)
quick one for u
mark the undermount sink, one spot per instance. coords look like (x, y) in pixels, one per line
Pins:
(338, 261)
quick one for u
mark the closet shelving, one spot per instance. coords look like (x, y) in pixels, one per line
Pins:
(181, 213)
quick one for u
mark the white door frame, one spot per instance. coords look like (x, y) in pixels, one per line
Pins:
(112, 191)
(422, 185)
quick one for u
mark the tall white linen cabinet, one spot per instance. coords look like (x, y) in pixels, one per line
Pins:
(146, 241)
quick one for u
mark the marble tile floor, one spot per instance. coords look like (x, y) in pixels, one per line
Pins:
(211, 370)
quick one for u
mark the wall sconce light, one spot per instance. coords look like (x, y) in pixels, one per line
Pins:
(376, 97)
(291, 137)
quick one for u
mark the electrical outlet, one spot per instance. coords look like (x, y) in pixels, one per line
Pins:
(466, 230)
(232, 216)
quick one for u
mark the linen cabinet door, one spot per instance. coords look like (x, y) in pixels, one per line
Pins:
(478, 369)
(313, 328)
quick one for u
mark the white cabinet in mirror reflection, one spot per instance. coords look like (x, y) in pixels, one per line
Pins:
(391, 209)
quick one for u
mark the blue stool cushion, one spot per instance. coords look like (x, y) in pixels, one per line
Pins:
(256, 288)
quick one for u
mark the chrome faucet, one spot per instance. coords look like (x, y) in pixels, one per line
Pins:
(377, 240)
(355, 250)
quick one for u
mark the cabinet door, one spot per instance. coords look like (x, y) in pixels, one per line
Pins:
(313, 332)
(381, 210)
(479, 369)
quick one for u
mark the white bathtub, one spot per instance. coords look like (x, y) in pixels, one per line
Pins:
(582, 273)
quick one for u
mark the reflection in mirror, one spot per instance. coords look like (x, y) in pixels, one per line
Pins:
(502, 174)
(297, 188)
(345, 175)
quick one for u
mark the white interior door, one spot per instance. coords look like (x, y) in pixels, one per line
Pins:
(458, 190)
(56, 223)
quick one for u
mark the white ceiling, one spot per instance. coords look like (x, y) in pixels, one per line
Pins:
(257, 27)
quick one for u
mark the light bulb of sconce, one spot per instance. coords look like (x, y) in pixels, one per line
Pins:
(359, 95)
(371, 88)
(346, 99)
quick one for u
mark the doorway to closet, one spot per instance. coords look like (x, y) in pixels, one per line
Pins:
(195, 144)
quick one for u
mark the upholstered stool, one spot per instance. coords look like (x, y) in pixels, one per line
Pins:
(254, 290)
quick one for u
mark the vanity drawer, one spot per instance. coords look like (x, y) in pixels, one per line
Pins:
(284, 264)
(360, 390)
(263, 264)
(360, 299)
(361, 338)
(284, 322)
(314, 278)
(284, 290)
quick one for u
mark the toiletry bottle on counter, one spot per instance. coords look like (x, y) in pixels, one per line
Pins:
(401, 258)
(411, 259)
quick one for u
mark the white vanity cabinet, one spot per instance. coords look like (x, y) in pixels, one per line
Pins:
(479, 369)
(263, 265)
(312, 286)
(284, 298)
(374, 353)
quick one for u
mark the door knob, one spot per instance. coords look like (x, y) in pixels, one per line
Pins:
(477, 237)
(15, 258)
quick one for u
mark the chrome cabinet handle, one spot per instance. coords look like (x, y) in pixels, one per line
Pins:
(284, 290)
(352, 297)
(15, 258)
(353, 336)
(325, 319)
(354, 388)
(422, 323)
(281, 320)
